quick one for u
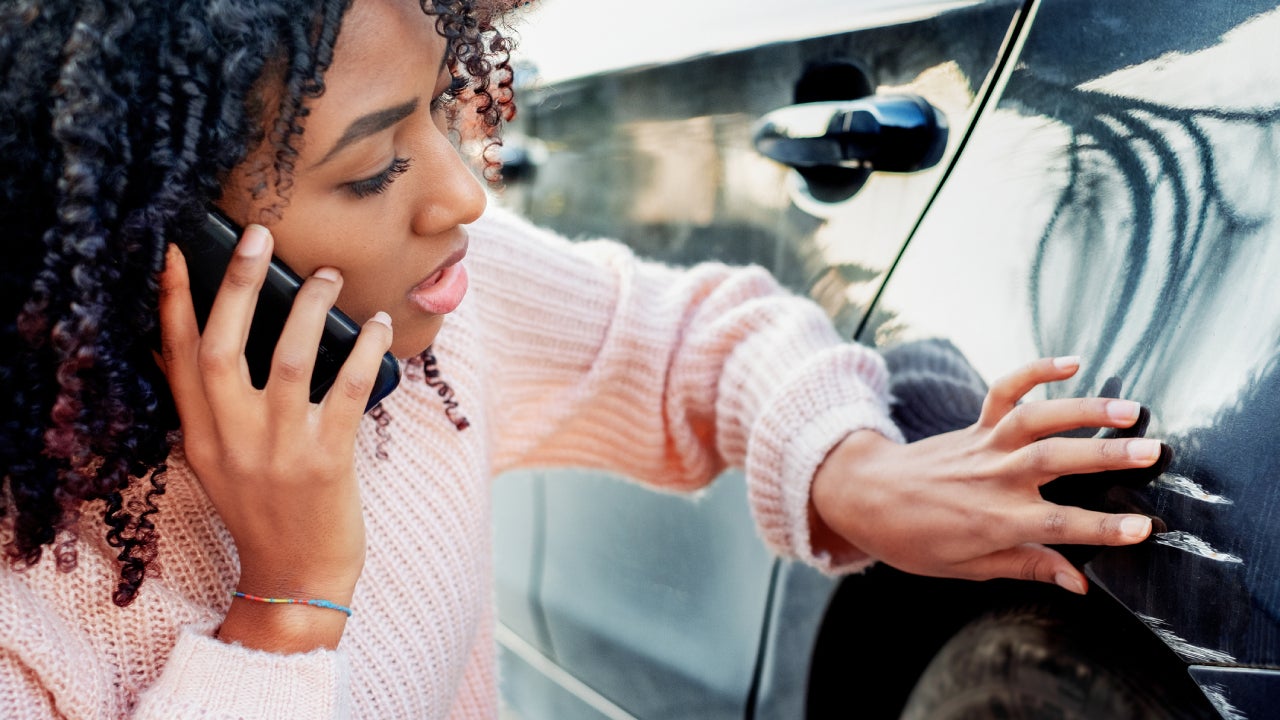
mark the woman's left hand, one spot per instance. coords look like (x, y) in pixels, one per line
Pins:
(966, 504)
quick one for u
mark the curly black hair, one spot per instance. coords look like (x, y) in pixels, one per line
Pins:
(119, 122)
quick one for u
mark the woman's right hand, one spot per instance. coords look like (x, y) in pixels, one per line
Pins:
(278, 469)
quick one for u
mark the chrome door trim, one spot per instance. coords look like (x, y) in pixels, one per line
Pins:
(530, 655)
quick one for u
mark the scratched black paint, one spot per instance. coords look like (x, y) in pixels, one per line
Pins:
(1152, 130)
(1116, 200)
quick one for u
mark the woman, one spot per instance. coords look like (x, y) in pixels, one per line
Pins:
(326, 131)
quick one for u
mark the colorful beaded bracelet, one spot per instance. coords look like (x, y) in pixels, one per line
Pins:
(290, 601)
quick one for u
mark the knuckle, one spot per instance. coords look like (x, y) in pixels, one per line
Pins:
(1000, 393)
(215, 360)
(1089, 408)
(1037, 455)
(1110, 451)
(200, 455)
(355, 388)
(291, 369)
(240, 275)
(1030, 569)
(1108, 529)
(170, 289)
(276, 471)
(168, 350)
(1055, 524)
(241, 464)
(1016, 420)
(993, 531)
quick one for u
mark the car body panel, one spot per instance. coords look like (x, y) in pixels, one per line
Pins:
(1127, 215)
(518, 519)
(654, 601)
(800, 599)
(1240, 693)
(1117, 205)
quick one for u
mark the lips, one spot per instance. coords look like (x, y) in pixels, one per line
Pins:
(442, 291)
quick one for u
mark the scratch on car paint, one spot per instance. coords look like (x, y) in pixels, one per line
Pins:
(1187, 542)
(1188, 651)
(1190, 488)
(1218, 696)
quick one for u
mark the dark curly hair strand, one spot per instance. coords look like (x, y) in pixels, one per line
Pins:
(119, 121)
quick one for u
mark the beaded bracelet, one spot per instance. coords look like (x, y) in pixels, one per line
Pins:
(290, 601)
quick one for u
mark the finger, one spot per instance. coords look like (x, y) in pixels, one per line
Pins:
(1044, 460)
(344, 404)
(294, 358)
(222, 365)
(179, 341)
(1065, 525)
(1027, 562)
(1031, 421)
(1007, 391)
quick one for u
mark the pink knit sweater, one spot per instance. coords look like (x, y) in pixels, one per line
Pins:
(562, 354)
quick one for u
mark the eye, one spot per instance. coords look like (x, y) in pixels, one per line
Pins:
(379, 183)
(456, 85)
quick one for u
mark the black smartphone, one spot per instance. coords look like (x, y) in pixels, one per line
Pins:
(209, 253)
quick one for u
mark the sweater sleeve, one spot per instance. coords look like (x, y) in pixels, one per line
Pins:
(668, 375)
(206, 678)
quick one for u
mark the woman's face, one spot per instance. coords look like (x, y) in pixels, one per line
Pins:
(379, 191)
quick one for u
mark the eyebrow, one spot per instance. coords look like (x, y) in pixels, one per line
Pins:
(367, 125)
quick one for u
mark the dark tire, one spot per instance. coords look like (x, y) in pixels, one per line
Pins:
(1033, 662)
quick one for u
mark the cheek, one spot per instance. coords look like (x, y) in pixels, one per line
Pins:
(369, 281)
(370, 284)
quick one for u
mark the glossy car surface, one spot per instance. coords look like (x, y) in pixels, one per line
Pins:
(1108, 187)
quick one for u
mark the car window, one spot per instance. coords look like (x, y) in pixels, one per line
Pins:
(608, 35)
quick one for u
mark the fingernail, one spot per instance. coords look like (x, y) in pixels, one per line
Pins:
(1135, 527)
(1148, 450)
(1067, 362)
(328, 273)
(1125, 411)
(254, 241)
(1069, 582)
(381, 317)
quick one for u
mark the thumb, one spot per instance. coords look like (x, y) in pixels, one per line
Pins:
(1030, 561)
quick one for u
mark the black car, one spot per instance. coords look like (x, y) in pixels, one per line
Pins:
(966, 185)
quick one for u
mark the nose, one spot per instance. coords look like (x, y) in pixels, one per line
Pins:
(451, 194)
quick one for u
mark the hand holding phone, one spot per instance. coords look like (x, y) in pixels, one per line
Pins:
(208, 254)
(278, 469)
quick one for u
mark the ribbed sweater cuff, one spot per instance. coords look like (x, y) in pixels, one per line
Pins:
(207, 678)
(837, 394)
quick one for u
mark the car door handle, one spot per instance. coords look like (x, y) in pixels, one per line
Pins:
(888, 133)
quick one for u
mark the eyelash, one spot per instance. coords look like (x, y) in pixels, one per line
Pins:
(456, 86)
(378, 184)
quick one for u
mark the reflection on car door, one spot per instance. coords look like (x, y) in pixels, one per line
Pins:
(1120, 205)
(656, 604)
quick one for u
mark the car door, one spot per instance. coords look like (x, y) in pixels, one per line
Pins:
(1119, 202)
(615, 600)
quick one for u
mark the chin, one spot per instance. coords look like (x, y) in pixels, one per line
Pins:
(410, 342)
